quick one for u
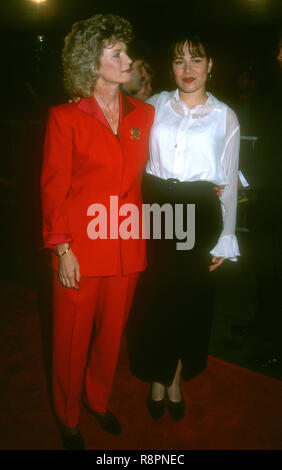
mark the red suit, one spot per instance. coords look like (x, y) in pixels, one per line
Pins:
(85, 163)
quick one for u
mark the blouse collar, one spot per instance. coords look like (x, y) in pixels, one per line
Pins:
(178, 104)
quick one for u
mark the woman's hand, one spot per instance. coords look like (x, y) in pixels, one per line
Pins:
(216, 262)
(68, 271)
(219, 189)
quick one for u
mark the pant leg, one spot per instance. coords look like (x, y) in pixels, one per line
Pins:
(72, 325)
(114, 300)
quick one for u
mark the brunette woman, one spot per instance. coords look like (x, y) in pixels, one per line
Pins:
(194, 146)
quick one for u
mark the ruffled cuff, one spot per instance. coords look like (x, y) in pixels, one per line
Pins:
(226, 247)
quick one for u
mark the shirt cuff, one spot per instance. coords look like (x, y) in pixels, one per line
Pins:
(226, 247)
(51, 239)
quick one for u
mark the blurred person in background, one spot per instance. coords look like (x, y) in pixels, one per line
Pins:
(266, 228)
(140, 83)
(244, 101)
(136, 78)
(146, 89)
(265, 218)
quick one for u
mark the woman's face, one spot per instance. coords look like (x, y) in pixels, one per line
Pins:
(190, 72)
(115, 64)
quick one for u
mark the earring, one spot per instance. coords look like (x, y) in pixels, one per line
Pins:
(210, 76)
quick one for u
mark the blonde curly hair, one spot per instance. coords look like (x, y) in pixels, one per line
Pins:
(83, 49)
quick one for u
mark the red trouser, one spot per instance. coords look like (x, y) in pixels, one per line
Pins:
(88, 324)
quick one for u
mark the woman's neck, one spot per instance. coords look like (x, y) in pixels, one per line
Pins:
(107, 93)
(193, 99)
(107, 96)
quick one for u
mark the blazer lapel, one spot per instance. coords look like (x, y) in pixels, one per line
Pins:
(126, 106)
(90, 106)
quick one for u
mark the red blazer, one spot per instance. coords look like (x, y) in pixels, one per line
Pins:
(85, 163)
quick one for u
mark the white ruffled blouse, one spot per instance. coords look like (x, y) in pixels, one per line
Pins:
(199, 144)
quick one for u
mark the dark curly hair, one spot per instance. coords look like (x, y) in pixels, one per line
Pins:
(83, 49)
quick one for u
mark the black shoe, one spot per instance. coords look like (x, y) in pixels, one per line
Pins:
(71, 441)
(176, 409)
(155, 407)
(108, 421)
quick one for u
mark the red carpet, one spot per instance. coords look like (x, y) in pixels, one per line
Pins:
(227, 407)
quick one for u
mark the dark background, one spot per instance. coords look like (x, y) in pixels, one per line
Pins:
(241, 31)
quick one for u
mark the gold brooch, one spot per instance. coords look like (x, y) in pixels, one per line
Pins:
(135, 133)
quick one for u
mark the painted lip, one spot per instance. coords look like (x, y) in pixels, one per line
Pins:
(127, 71)
(188, 79)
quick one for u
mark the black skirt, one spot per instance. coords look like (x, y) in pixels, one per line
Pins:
(171, 314)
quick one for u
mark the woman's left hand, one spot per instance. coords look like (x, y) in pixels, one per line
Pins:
(218, 190)
(216, 262)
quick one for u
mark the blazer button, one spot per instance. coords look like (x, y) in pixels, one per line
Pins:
(123, 194)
